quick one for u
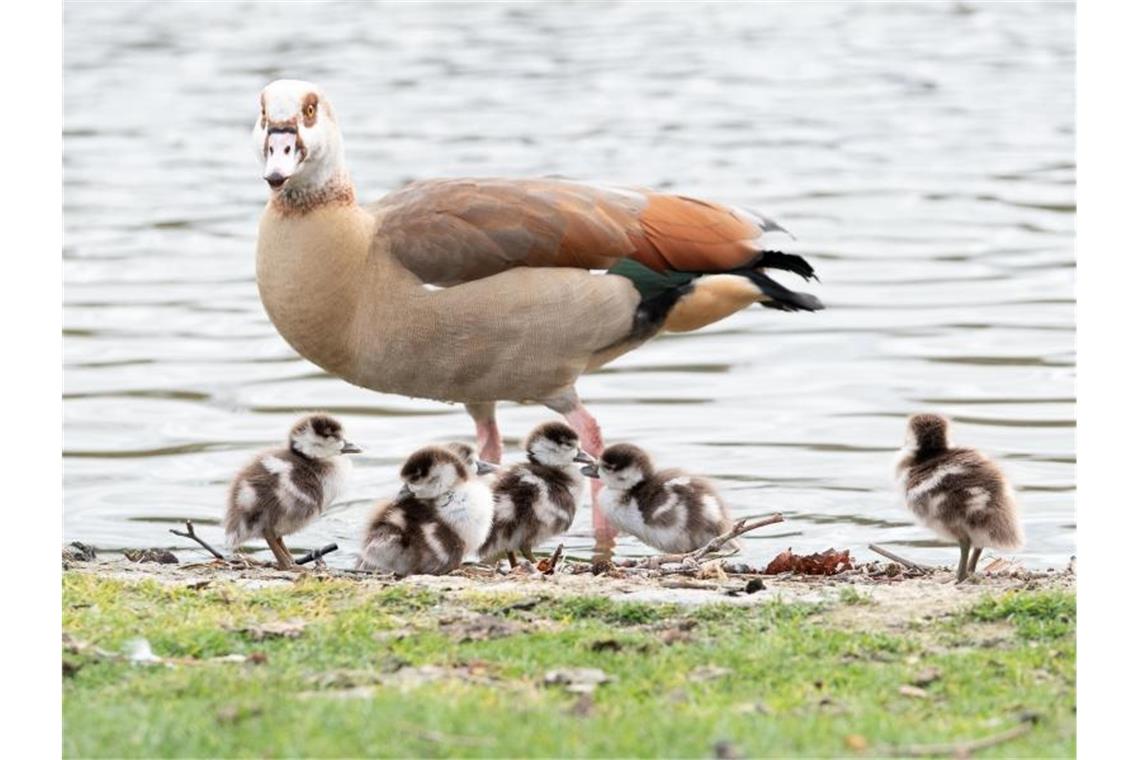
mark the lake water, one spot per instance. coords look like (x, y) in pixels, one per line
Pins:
(923, 155)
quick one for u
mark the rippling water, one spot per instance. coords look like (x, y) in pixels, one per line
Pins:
(922, 154)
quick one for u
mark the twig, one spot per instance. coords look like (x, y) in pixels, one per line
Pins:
(896, 558)
(194, 536)
(317, 554)
(963, 749)
(548, 565)
(739, 529)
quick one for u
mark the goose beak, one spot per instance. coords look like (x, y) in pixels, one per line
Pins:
(482, 468)
(591, 470)
(583, 457)
(348, 447)
(282, 157)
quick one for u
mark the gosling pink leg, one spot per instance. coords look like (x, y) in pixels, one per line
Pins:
(487, 436)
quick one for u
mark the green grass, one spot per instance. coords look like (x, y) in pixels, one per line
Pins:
(819, 683)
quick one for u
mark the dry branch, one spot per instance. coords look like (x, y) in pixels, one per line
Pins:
(902, 561)
(194, 537)
(694, 557)
(317, 554)
(963, 749)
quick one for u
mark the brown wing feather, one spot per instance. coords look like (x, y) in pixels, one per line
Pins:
(453, 231)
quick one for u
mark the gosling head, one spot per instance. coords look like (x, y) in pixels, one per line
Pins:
(319, 436)
(554, 444)
(621, 467)
(432, 472)
(928, 432)
(466, 452)
(296, 138)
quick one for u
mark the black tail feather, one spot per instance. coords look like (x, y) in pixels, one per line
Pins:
(782, 298)
(789, 262)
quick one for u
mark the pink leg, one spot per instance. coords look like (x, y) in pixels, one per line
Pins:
(487, 436)
(591, 435)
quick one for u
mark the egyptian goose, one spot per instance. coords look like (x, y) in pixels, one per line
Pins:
(443, 515)
(487, 290)
(956, 492)
(537, 499)
(668, 509)
(283, 490)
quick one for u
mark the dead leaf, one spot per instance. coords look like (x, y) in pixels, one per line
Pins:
(547, 565)
(161, 556)
(829, 562)
(708, 673)
(79, 552)
(856, 742)
(907, 690)
(280, 629)
(479, 628)
(576, 680)
(230, 714)
(606, 645)
(725, 750)
(583, 706)
(926, 677)
(258, 658)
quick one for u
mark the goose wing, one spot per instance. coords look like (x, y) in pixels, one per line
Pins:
(452, 231)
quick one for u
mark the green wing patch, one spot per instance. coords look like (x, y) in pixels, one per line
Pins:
(648, 282)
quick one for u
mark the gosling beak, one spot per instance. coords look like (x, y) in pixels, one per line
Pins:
(482, 468)
(584, 457)
(591, 470)
(405, 492)
(282, 156)
(348, 447)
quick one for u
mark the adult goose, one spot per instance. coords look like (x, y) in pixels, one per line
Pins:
(487, 290)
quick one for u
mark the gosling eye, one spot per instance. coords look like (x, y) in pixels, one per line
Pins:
(310, 111)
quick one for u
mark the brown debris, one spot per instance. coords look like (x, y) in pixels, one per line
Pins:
(162, 556)
(280, 629)
(829, 562)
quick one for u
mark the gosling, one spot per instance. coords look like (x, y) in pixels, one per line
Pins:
(466, 452)
(956, 492)
(537, 499)
(442, 515)
(669, 510)
(283, 490)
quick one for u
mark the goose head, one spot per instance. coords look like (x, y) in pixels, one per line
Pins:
(432, 472)
(296, 137)
(555, 444)
(622, 466)
(319, 436)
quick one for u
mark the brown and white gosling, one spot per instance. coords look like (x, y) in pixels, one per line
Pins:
(467, 453)
(283, 490)
(536, 500)
(669, 510)
(956, 492)
(442, 514)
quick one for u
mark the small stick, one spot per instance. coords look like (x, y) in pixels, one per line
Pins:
(194, 536)
(963, 749)
(896, 558)
(549, 564)
(317, 554)
(740, 528)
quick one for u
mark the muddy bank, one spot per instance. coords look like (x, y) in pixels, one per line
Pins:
(865, 593)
